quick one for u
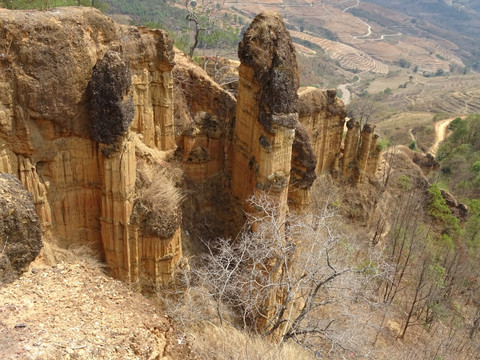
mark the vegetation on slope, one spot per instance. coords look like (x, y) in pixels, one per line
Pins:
(48, 4)
(351, 293)
(456, 21)
(365, 267)
(459, 157)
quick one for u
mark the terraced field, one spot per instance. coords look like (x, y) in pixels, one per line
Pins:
(456, 94)
(364, 36)
(360, 43)
(369, 38)
(347, 56)
(460, 101)
(427, 55)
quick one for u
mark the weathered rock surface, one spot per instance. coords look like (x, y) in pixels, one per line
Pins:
(323, 115)
(79, 95)
(83, 101)
(110, 97)
(426, 162)
(262, 147)
(268, 53)
(204, 115)
(267, 110)
(20, 232)
(303, 166)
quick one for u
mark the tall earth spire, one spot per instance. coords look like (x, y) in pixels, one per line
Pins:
(267, 110)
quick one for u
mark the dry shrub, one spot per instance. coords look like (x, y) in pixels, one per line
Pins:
(158, 190)
(52, 254)
(227, 343)
(87, 255)
(157, 203)
(325, 195)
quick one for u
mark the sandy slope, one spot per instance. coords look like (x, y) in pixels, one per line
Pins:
(74, 311)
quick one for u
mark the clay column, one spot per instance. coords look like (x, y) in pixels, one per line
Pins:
(267, 110)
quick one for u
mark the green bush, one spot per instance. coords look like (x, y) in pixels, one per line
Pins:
(404, 182)
(384, 144)
(440, 211)
(476, 167)
(437, 205)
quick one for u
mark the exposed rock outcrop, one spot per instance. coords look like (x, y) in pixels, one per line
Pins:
(110, 98)
(426, 162)
(456, 207)
(79, 95)
(84, 101)
(266, 118)
(204, 115)
(367, 152)
(302, 173)
(267, 110)
(323, 115)
(20, 232)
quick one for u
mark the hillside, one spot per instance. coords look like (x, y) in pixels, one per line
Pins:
(386, 34)
(260, 219)
(339, 43)
(69, 309)
(456, 21)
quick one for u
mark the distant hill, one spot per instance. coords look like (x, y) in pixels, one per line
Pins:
(457, 21)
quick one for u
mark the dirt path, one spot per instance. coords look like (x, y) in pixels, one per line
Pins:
(351, 7)
(410, 132)
(440, 134)
(440, 128)
(369, 27)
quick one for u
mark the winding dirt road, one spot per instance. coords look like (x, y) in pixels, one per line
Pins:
(440, 134)
(369, 27)
(440, 128)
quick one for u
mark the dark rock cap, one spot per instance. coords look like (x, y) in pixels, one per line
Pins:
(267, 48)
(111, 101)
(20, 231)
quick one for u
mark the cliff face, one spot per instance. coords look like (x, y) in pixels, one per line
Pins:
(84, 102)
(323, 115)
(267, 110)
(204, 114)
(79, 95)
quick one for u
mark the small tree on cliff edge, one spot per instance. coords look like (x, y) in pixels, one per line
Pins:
(201, 16)
(364, 109)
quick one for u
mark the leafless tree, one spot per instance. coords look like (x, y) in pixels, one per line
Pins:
(279, 274)
(364, 109)
(201, 16)
(403, 245)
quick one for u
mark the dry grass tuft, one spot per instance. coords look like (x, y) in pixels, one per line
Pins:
(52, 255)
(157, 203)
(158, 190)
(85, 254)
(227, 343)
